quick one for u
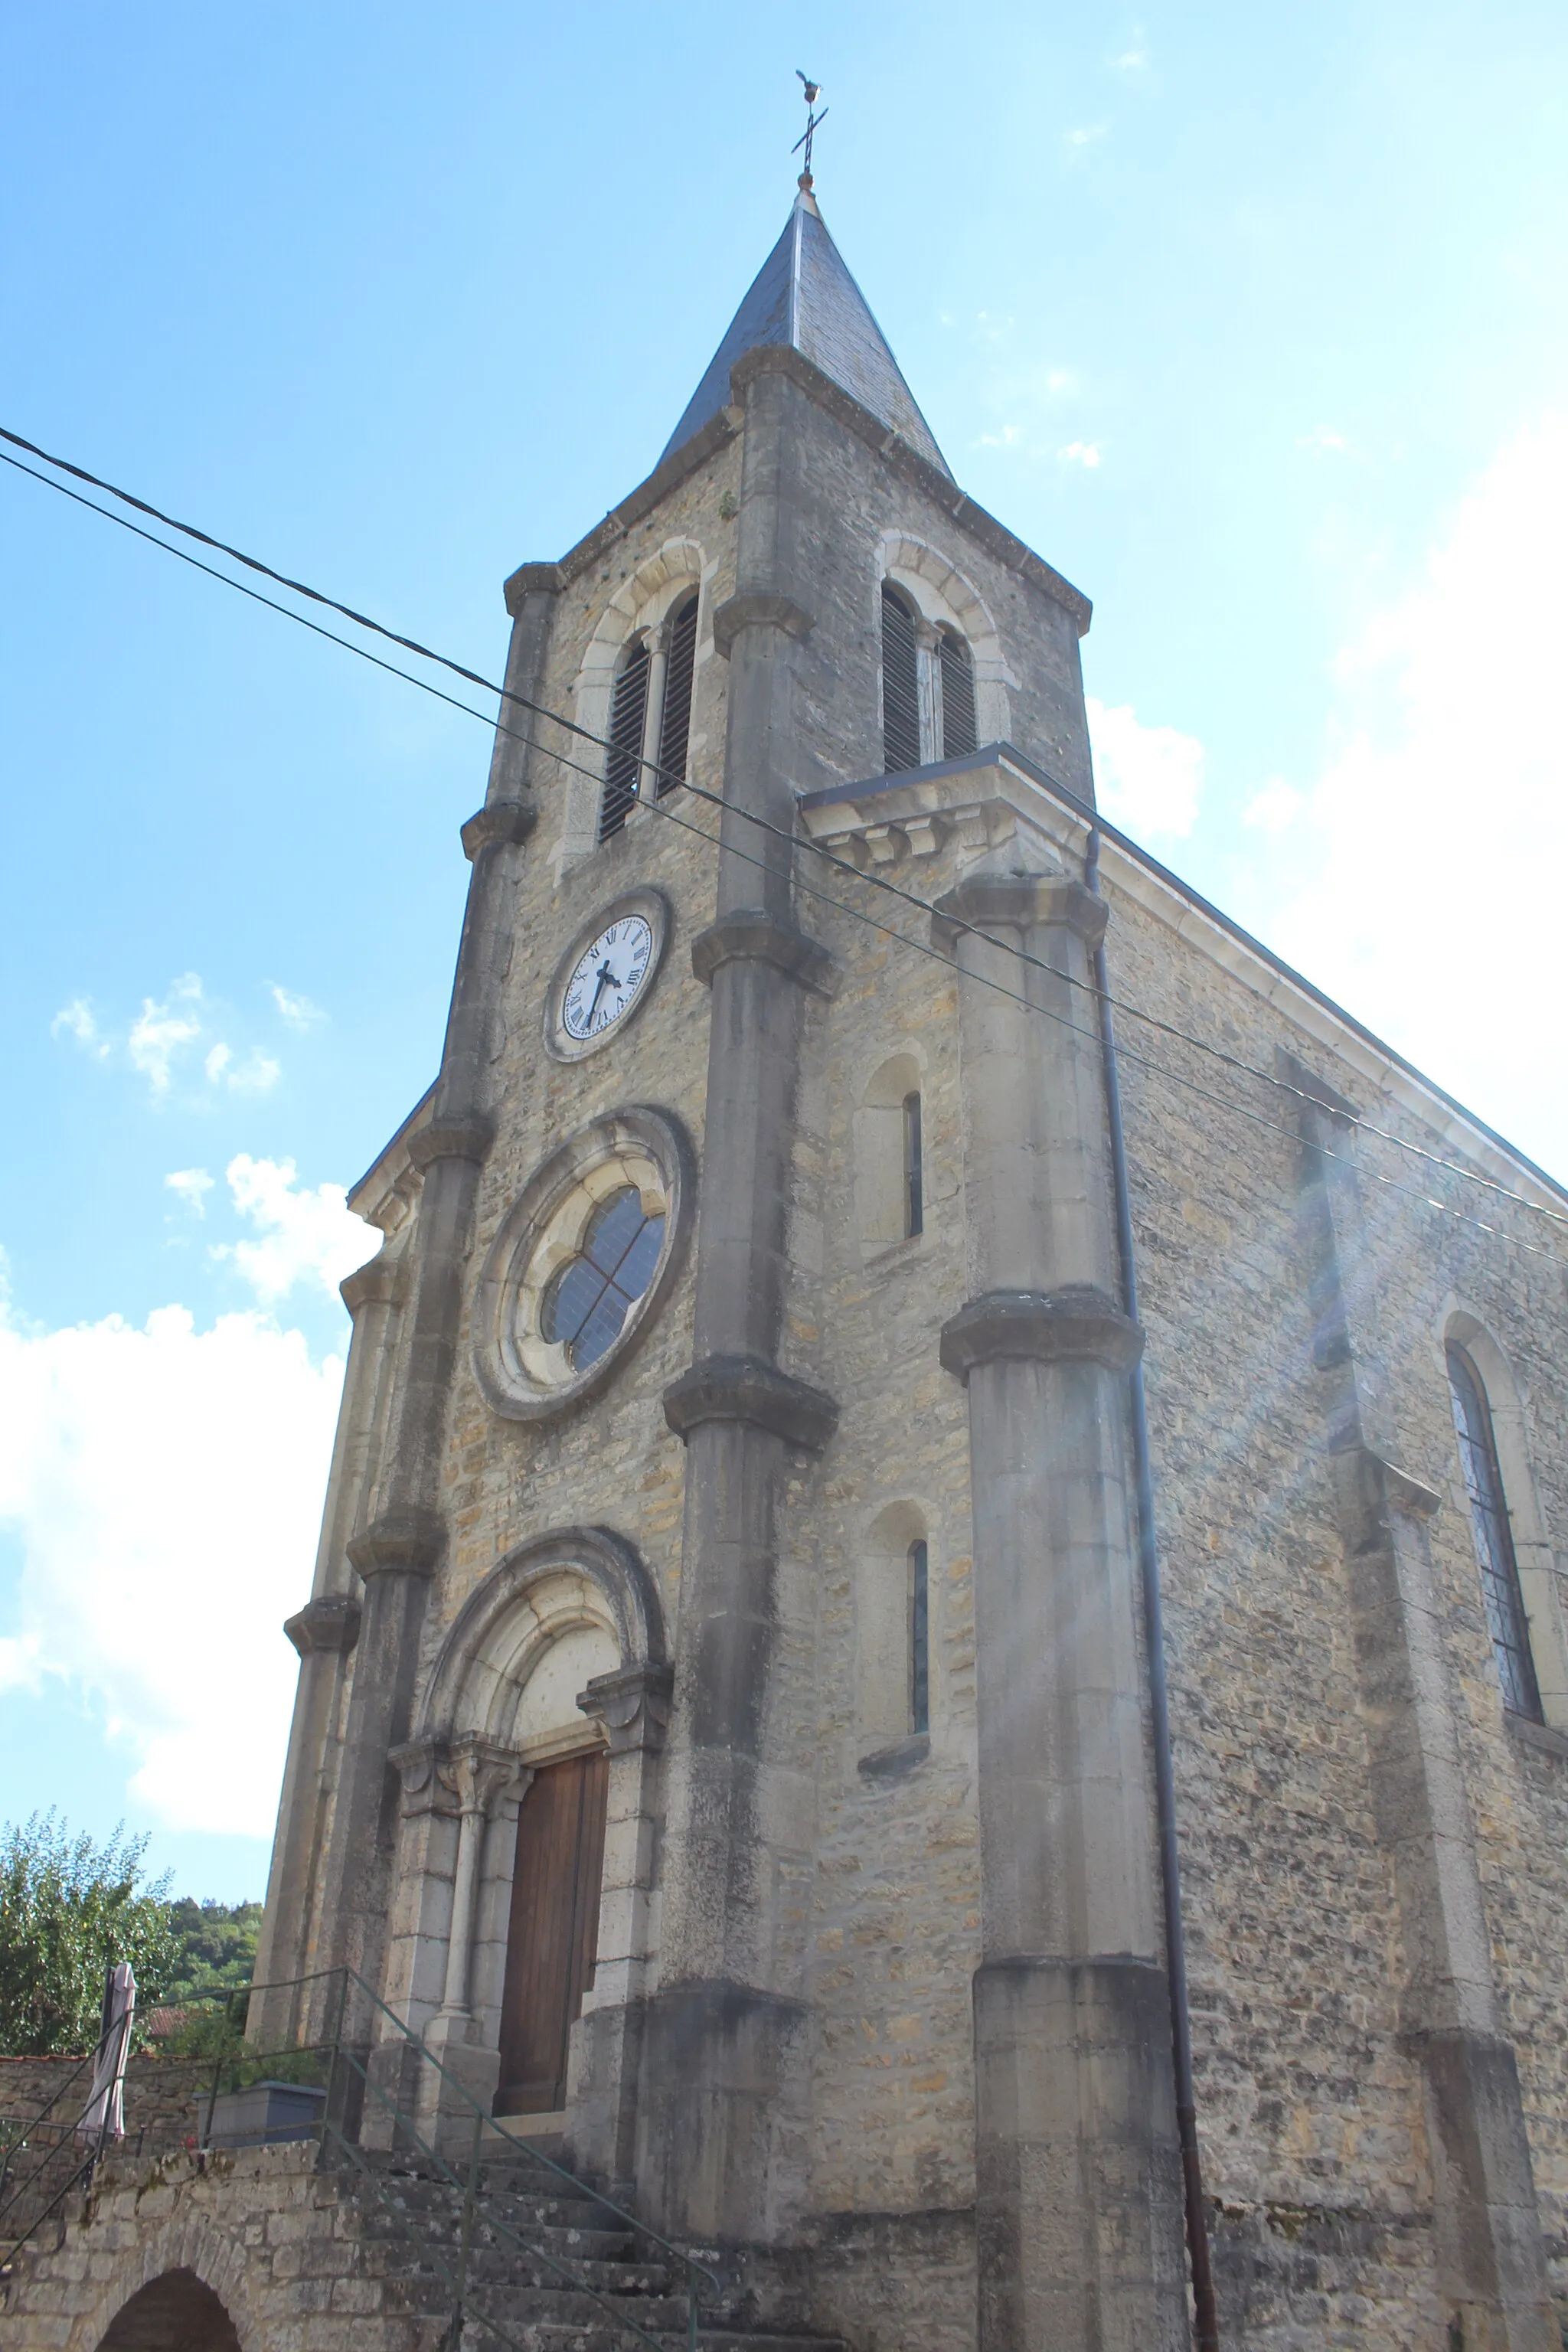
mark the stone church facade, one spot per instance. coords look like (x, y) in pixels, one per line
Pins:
(727, 1733)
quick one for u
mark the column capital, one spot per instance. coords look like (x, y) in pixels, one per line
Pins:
(477, 1771)
(382, 1281)
(331, 1622)
(409, 1543)
(1020, 901)
(451, 1138)
(416, 1762)
(633, 1705)
(758, 611)
(750, 936)
(505, 820)
(743, 1387)
(1079, 1323)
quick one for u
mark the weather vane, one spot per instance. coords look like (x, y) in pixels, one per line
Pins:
(812, 121)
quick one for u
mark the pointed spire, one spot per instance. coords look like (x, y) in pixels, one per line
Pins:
(803, 297)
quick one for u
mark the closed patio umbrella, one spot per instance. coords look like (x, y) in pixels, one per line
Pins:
(103, 2118)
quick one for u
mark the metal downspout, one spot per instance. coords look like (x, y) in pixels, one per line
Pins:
(1207, 2324)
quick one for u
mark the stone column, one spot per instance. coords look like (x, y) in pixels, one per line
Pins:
(1078, 2205)
(1491, 2263)
(398, 1552)
(324, 1633)
(633, 1705)
(725, 2062)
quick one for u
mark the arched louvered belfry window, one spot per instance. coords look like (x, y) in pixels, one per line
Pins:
(900, 685)
(628, 715)
(1501, 1591)
(675, 720)
(955, 668)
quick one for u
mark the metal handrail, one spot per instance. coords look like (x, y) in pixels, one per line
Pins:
(693, 2269)
(334, 2052)
(534, 2252)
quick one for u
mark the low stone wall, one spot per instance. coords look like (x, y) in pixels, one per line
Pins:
(160, 2095)
(284, 2251)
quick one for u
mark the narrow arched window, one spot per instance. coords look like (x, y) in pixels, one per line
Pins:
(675, 721)
(914, 1179)
(1494, 1537)
(623, 762)
(955, 670)
(900, 685)
(920, 1637)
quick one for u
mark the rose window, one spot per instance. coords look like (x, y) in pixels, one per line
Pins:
(589, 1297)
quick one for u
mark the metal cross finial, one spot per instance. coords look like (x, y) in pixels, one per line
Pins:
(812, 93)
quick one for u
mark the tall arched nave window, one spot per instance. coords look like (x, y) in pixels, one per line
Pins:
(1501, 1591)
(650, 716)
(927, 687)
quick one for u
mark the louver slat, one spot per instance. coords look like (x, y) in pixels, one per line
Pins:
(628, 709)
(901, 687)
(958, 728)
(675, 726)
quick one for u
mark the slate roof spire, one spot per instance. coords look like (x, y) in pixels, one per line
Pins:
(803, 295)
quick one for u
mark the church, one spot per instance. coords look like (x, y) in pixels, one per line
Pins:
(938, 1657)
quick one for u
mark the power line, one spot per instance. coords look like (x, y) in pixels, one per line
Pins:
(793, 840)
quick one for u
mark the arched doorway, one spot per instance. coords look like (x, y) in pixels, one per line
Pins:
(176, 2313)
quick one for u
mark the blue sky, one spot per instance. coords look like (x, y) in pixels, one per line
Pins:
(1252, 322)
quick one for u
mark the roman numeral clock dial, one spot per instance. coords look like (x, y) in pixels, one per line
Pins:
(604, 975)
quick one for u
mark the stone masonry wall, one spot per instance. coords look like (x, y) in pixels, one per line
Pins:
(280, 2245)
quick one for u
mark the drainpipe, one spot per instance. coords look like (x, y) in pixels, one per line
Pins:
(1160, 1704)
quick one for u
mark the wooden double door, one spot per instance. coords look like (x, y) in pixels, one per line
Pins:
(554, 1929)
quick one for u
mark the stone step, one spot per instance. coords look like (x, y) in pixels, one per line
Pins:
(550, 2222)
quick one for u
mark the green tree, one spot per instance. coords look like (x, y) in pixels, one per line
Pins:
(68, 1910)
(217, 1946)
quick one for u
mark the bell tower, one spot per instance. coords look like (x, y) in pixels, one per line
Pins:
(721, 1731)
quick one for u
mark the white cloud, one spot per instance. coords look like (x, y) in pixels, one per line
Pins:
(1147, 779)
(1323, 437)
(294, 1011)
(166, 1485)
(78, 1020)
(1129, 61)
(159, 1032)
(1279, 804)
(169, 1029)
(306, 1236)
(191, 1187)
(1079, 453)
(1008, 437)
(1425, 884)
(1086, 137)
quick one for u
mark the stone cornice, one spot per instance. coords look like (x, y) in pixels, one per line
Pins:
(1078, 1324)
(382, 1281)
(758, 611)
(451, 1138)
(751, 936)
(504, 821)
(331, 1622)
(408, 1543)
(983, 901)
(743, 1387)
(633, 1705)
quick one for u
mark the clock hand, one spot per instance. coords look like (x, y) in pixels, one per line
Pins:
(607, 979)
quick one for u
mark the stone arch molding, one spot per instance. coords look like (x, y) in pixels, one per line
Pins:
(192, 2244)
(941, 593)
(1541, 1584)
(641, 601)
(520, 1609)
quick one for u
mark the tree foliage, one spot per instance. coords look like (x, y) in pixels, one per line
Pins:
(69, 1908)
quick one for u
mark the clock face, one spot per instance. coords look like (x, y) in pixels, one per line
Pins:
(607, 979)
(606, 974)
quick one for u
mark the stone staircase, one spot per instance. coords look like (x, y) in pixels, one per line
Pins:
(597, 2276)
